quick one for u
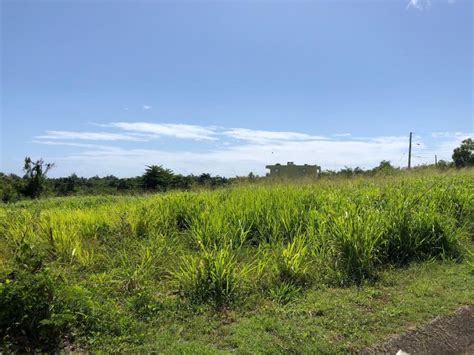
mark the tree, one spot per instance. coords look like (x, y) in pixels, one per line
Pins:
(384, 167)
(66, 186)
(157, 178)
(463, 155)
(443, 164)
(10, 187)
(124, 184)
(204, 179)
(252, 176)
(35, 176)
(346, 171)
(182, 182)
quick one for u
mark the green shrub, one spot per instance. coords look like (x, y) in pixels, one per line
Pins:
(26, 301)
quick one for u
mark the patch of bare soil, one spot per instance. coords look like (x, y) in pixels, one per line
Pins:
(452, 334)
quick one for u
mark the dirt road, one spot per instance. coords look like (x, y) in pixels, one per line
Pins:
(452, 334)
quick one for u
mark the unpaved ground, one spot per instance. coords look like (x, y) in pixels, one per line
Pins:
(453, 334)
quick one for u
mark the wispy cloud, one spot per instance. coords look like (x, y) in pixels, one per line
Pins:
(146, 107)
(182, 131)
(73, 144)
(444, 143)
(90, 136)
(237, 152)
(259, 136)
(239, 159)
(419, 4)
(448, 134)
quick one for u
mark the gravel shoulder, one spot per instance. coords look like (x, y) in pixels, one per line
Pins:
(452, 334)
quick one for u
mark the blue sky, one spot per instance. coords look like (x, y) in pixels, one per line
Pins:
(102, 87)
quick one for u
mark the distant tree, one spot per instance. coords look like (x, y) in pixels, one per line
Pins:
(66, 186)
(211, 181)
(463, 155)
(346, 171)
(328, 173)
(384, 165)
(204, 179)
(112, 181)
(157, 178)
(182, 182)
(35, 176)
(10, 187)
(124, 184)
(443, 164)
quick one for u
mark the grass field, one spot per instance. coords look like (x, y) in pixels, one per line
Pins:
(328, 266)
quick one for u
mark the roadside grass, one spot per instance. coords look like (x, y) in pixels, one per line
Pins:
(321, 320)
(343, 320)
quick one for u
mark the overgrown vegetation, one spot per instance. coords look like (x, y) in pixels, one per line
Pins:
(107, 272)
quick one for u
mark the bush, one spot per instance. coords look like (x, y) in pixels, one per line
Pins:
(25, 310)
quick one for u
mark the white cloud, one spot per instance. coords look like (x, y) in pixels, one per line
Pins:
(238, 150)
(445, 144)
(146, 107)
(182, 131)
(448, 134)
(238, 159)
(342, 135)
(78, 145)
(419, 4)
(258, 136)
(91, 136)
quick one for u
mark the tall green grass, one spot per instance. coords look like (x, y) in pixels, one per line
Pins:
(228, 246)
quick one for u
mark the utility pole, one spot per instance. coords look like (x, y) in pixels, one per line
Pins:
(409, 152)
(436, 160)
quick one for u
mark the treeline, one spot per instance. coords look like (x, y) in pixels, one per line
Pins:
(463, 156)
(34, 183)
(384, 168)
